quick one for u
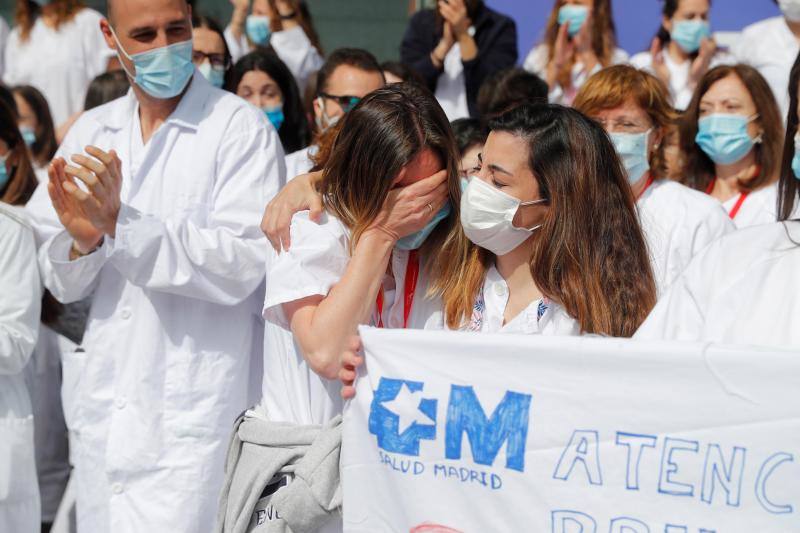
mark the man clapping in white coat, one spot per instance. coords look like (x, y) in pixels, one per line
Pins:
(157, 199)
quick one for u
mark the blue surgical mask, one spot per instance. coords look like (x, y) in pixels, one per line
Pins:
(162, 72)
(214, 75)
(415, 240)
(257, 28)
(632, 150)
(5, 175)
(688, 34)
(275, 115)
(575, 15)
(796, 158)
(28, 135)
(724, 138)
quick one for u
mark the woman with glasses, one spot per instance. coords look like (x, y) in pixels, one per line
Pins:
(209, 51)
(633, 107)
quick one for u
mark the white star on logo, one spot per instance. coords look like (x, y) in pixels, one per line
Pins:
(406, 407)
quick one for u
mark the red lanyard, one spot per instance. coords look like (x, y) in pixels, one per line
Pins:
(737, 206)
(409, 286)
(650, 180)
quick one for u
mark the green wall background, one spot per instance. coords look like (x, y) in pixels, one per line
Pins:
(376, 25)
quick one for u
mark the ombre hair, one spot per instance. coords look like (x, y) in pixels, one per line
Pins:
(381, 135)
(604, 37)
(615, 86)
(590, 255)
(700, 169)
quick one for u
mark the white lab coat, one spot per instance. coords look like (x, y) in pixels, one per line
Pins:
(743, 289)
(316, 261)
(60, 63)
(3, 41)
(679, 88)
(537, 60)
(19, 322)
(292, 46)
(770, 47)
(760, 207)
(678, 222)
(43, 379)
(150, 396)
(299, 162)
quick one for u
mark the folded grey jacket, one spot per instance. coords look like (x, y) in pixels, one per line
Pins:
(260, 452)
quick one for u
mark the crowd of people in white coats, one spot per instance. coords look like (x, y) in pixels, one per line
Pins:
(196, 219)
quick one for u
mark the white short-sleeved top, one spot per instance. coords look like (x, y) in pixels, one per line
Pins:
(537, 60)
(60, 63)
(759, 207)
(299, 162)
(678, 222)
(315, 262)
(770, 47)
(742, 289)
(679, 87)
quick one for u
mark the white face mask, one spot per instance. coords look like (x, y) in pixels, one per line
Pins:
(790, 9)
(487, 216)
(325, 121)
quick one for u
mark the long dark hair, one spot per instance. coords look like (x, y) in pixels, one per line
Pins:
(203, 21)
(295, 132)
(23, 181)
(700, 169)
(590, 254)
(789, 185)
(45, 145)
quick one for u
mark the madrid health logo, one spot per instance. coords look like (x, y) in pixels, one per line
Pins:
(402, 415)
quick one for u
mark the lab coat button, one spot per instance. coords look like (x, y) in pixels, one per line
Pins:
(126, 314)
(499, 289)
(120, 403)
(116, 488)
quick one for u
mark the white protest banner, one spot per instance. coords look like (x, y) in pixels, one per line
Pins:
(484, 433)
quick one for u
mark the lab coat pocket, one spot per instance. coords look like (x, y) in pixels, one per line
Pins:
(17, 463)
(72, 366)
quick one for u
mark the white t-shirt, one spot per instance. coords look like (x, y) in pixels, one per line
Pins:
(316, 261)
(770, 47)
(743, 289)
(451, 93)
(299, 162)
(678, 222)
(537, 60)
(60, 63)
(759, 207)
(679, 73)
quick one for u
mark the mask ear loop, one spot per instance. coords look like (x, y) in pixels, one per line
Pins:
(760, 137)
(121, 49)
(533, 202)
